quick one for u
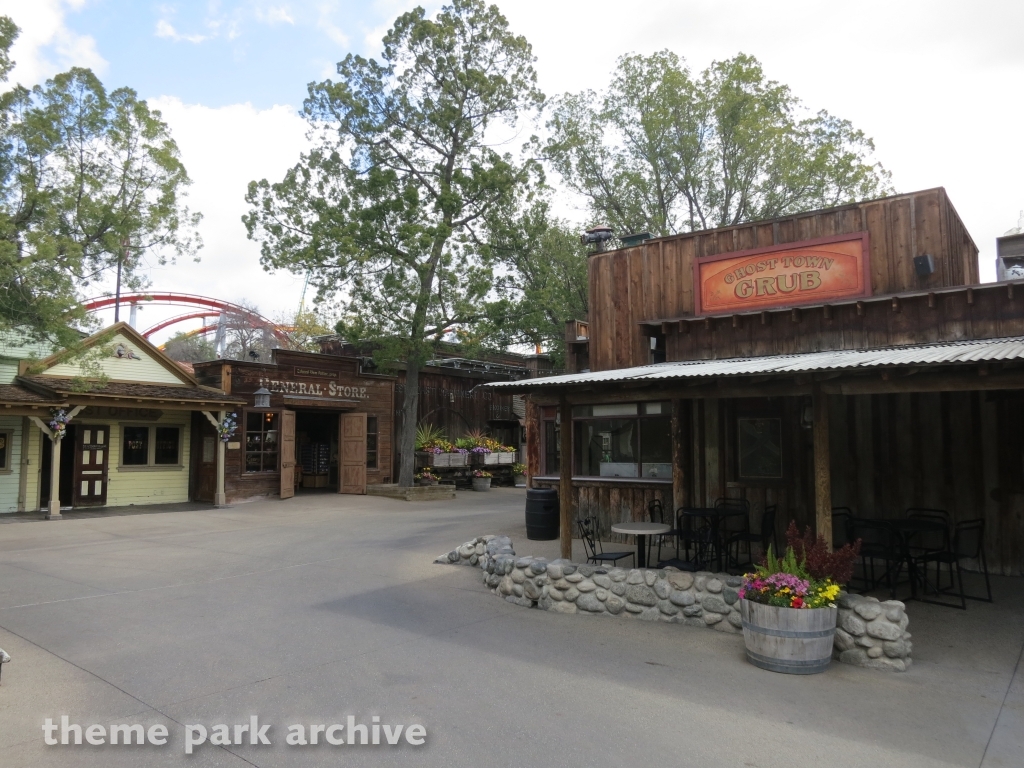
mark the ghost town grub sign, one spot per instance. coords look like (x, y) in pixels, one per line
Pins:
(807, 272)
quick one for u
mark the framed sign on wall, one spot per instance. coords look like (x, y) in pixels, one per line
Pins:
(807, 272)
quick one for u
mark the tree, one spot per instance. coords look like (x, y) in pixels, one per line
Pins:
(545, 282)
(665, 152)
(389, 208)
(88, 179)
(190, 348)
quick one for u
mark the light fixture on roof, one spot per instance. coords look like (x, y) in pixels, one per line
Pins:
(262, 397)
(599, 237)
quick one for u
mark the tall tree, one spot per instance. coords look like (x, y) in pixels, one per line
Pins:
(388, 210)
(667, 152)
(88, 179)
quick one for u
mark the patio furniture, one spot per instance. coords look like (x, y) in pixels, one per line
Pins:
(641, 531)
(931, 541)
(656, 514)
(592, 543)
(879, 541)
(968, 544)
(907, 531)
(841, 532)
(765, 536)
(714, 517)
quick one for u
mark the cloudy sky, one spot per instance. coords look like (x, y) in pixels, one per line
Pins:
(938, 85)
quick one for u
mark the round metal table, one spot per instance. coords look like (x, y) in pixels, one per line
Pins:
(715, 515)
(641, 531)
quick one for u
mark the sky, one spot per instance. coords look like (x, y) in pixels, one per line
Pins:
(938, 85)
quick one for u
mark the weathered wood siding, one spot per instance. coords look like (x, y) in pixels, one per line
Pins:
(654, 280)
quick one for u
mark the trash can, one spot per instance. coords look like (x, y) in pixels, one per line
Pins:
(542, 514)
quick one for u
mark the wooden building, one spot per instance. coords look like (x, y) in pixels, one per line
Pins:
(839, 358)
(310, 423)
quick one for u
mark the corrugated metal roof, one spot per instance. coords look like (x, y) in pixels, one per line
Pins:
(946, 353)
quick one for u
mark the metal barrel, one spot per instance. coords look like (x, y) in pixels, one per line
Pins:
(541, 514)
(794, 641)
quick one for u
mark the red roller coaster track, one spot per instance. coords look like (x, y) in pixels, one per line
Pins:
(188, 300)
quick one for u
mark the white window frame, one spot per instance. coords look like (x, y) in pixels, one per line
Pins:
(150, 465)
(6, 468)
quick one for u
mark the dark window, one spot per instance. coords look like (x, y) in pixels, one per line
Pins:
(261, 442)
(760, 448)
(5, 450)
(623, 440)
(371, 442)
(552, 448)
(166, 445)
(135, 451)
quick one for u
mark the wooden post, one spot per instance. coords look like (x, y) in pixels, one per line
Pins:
(822, 470)
(680, 470)
(565, 477)
(220, 499)
(53, 511)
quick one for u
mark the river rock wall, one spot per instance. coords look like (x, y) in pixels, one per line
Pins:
(869, 633)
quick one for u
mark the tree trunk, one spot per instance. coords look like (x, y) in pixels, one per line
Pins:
(410, 418)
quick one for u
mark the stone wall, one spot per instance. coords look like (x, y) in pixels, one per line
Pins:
(869, 633)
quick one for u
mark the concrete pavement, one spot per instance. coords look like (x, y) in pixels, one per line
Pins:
(320, 607)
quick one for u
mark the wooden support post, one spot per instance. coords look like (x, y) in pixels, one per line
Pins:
(53, 511)
(565, 477)
(680, 469)
(822, 470)
(220, 498)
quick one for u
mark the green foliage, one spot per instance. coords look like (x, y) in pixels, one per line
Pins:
(665, 151)
(190, 348)
(87, 177)
(427, 436)
(387, 210)
(788, 563)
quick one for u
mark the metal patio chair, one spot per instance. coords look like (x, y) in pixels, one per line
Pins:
(592, 544)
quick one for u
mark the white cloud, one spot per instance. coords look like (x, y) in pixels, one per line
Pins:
(223, 150)
(166, 30)
(275, 15)
(46, 45)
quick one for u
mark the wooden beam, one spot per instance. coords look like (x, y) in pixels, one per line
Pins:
(822, 469)
(565, 478)
(680, 468)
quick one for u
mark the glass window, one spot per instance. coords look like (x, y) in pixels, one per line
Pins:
(261, 441)
(760, 448)
(656, 448)
(166, 451)
(607, 447)
(5, 450)
(552, 448)
(371, 442)
(135, 451)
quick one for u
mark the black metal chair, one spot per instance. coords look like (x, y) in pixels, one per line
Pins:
(931, 542)
(968, 544)
(656, 514)
(841, 528)
(592, 544)
(765, 536)
(879, 541)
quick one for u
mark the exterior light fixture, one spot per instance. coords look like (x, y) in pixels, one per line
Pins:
(262, 397)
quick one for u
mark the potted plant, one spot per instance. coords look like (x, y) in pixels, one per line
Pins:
(426, 477)
(506, 454)
(432, 447)
(519, 475)
(788, 605)
(481, 480)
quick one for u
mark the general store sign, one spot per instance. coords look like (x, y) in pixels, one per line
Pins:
(808, 272)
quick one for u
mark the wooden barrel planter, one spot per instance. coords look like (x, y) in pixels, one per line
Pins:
(795, 641)
(481, 483)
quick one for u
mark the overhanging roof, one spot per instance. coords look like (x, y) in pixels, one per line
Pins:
(946, 353)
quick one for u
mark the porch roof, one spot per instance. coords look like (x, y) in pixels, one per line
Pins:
(167, 396)
(922, 355)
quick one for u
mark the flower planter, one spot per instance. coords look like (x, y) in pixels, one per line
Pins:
(481, 483)
(794, 641)
(508, 457)
(426, 482)
(519, 481)
(484, 458)
(457, 459)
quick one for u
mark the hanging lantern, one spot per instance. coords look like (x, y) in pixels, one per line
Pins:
(262, 396)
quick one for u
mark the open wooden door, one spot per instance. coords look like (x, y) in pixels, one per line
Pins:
(287, 454)
(352, 453)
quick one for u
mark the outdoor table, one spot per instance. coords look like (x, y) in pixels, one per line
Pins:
(641, 531)
(715, 515)
(907, 529)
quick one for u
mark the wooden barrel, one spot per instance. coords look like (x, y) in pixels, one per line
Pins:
(796, 641)
(542, 515)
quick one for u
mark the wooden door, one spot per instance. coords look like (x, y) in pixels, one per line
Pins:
(352, 453)
(287, 454)
(92, 453)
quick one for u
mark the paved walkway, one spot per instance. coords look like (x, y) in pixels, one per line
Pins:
(320, 607)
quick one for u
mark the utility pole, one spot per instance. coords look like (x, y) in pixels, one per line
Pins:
(117, 291)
